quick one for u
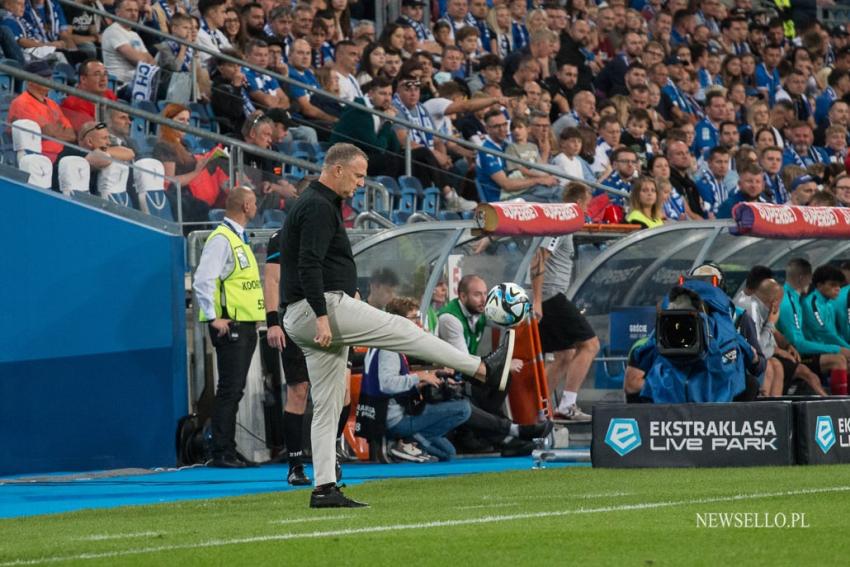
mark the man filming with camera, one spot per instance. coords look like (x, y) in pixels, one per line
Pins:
(410, 404)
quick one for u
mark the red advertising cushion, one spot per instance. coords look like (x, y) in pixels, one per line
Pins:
(791, 221)
(534, 219)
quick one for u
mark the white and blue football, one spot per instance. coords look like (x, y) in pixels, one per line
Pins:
(507, 304)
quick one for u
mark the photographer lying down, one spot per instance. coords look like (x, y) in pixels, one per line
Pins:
(702, 349)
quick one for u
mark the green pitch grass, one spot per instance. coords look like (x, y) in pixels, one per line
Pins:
(551, 517)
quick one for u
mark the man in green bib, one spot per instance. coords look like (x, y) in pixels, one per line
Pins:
(462, 323)
(230, 299)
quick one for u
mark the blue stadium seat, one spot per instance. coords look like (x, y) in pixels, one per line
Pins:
(6, 101)
(201, 118)
(392, 188)
(256, 222)
(138, 128)
(300, 150)
(112, 82)
(430, 203)
(147, 106)
(9, 84)
(306, 148)
(273, 218)
(56, 96)
(158, 205)
(410, 182)
(358, 201)
(65, 73)
(448, 215)
(144, 145)
(216, 215)
(406, 205)
(119, 198)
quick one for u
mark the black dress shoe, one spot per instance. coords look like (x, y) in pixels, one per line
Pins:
(333, 498)
(226, 463)
(536, 431)
(297, 477)
(498, 363)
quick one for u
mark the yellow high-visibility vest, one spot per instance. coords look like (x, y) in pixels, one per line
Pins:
(240, 293)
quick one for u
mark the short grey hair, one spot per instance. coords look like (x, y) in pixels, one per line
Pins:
(343, 154)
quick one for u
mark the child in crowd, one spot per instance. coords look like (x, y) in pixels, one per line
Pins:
(522, 149)
(568, 160)
(635, 136)
(469, 40)
(836, 143)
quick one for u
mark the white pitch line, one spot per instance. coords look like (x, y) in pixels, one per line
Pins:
(493, 505)
(553, 497)
(106, 537)
(310, 519)
(423, 525)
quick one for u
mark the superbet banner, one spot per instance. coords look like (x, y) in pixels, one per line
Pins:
(532, 219)
(823, 432)
(692, 435)
(791, 221)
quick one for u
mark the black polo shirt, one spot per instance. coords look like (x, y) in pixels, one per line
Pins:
(315, 253)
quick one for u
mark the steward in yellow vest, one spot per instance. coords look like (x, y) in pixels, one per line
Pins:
(229, 296)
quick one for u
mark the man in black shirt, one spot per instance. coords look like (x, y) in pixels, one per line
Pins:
(318, 284)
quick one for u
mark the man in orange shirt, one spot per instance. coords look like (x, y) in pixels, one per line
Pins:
(33, 104)
(93, 79)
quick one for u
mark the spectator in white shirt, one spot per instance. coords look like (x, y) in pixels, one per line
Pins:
(569, 160)
(123, 49)
(212, 20)
(347, 61)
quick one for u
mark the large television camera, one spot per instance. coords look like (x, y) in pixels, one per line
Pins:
(680, 329)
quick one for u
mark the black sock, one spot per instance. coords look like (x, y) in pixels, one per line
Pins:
(293, 428)
(343, 419)
(324, 488)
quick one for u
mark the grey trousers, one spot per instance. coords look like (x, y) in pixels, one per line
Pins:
(355, 323)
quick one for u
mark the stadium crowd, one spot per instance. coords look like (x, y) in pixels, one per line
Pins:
(685, 108)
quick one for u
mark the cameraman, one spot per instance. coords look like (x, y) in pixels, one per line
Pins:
(387, 376)
(645, 358)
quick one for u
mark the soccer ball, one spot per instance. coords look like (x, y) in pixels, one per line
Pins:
(507, 304)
